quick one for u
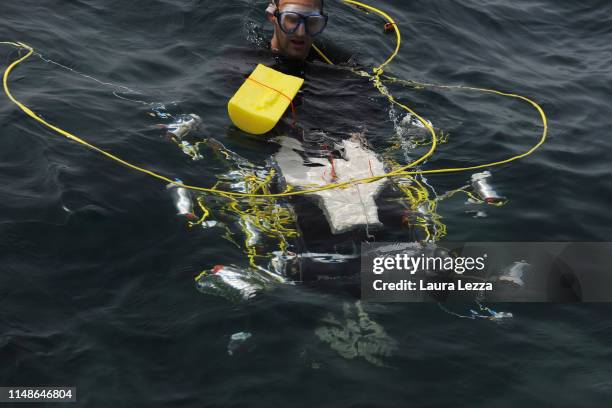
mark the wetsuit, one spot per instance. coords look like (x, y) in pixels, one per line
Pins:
(333, 103)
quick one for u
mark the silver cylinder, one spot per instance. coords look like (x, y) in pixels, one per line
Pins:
(516, 273)
(481, 186)
(181, 197)
(183, 125)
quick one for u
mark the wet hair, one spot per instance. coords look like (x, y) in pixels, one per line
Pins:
(277, 2)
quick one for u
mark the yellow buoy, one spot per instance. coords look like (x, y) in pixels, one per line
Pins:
(260, 102)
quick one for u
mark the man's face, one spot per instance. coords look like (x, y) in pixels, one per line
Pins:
(296, 45)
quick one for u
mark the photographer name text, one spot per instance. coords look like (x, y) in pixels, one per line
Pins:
(421, 285)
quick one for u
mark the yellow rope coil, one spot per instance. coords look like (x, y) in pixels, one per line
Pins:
(376, 79)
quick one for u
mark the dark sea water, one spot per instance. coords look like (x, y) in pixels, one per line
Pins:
(97, 273)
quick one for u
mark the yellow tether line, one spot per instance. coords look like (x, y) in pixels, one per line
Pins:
(493, 91)
(376, 78)
(378, 72)
(322, 55)
(390, 20)
(77, 139)
(71, 136)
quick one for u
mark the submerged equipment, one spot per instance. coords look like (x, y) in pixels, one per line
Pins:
(347, 208)
(250, 117)
(376, 78)
(489, 314)
(183, 125)
(237, 341)
(181, 197)
(515, 273)
(262, 99)
(229, 282)
(482, 187)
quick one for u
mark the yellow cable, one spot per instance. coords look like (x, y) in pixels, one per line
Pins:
(377, 82)
(322, 55)
(493, 91)
(390, 20)
(75, 138)
(14, 44)
(376, 78)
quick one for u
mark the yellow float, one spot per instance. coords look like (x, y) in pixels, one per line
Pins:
(262, 99)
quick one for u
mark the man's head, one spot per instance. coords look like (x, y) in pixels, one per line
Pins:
(292, 33)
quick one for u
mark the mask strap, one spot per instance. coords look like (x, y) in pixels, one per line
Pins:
(271, 9)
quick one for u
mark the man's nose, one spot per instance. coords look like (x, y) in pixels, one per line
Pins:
(301, 30)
